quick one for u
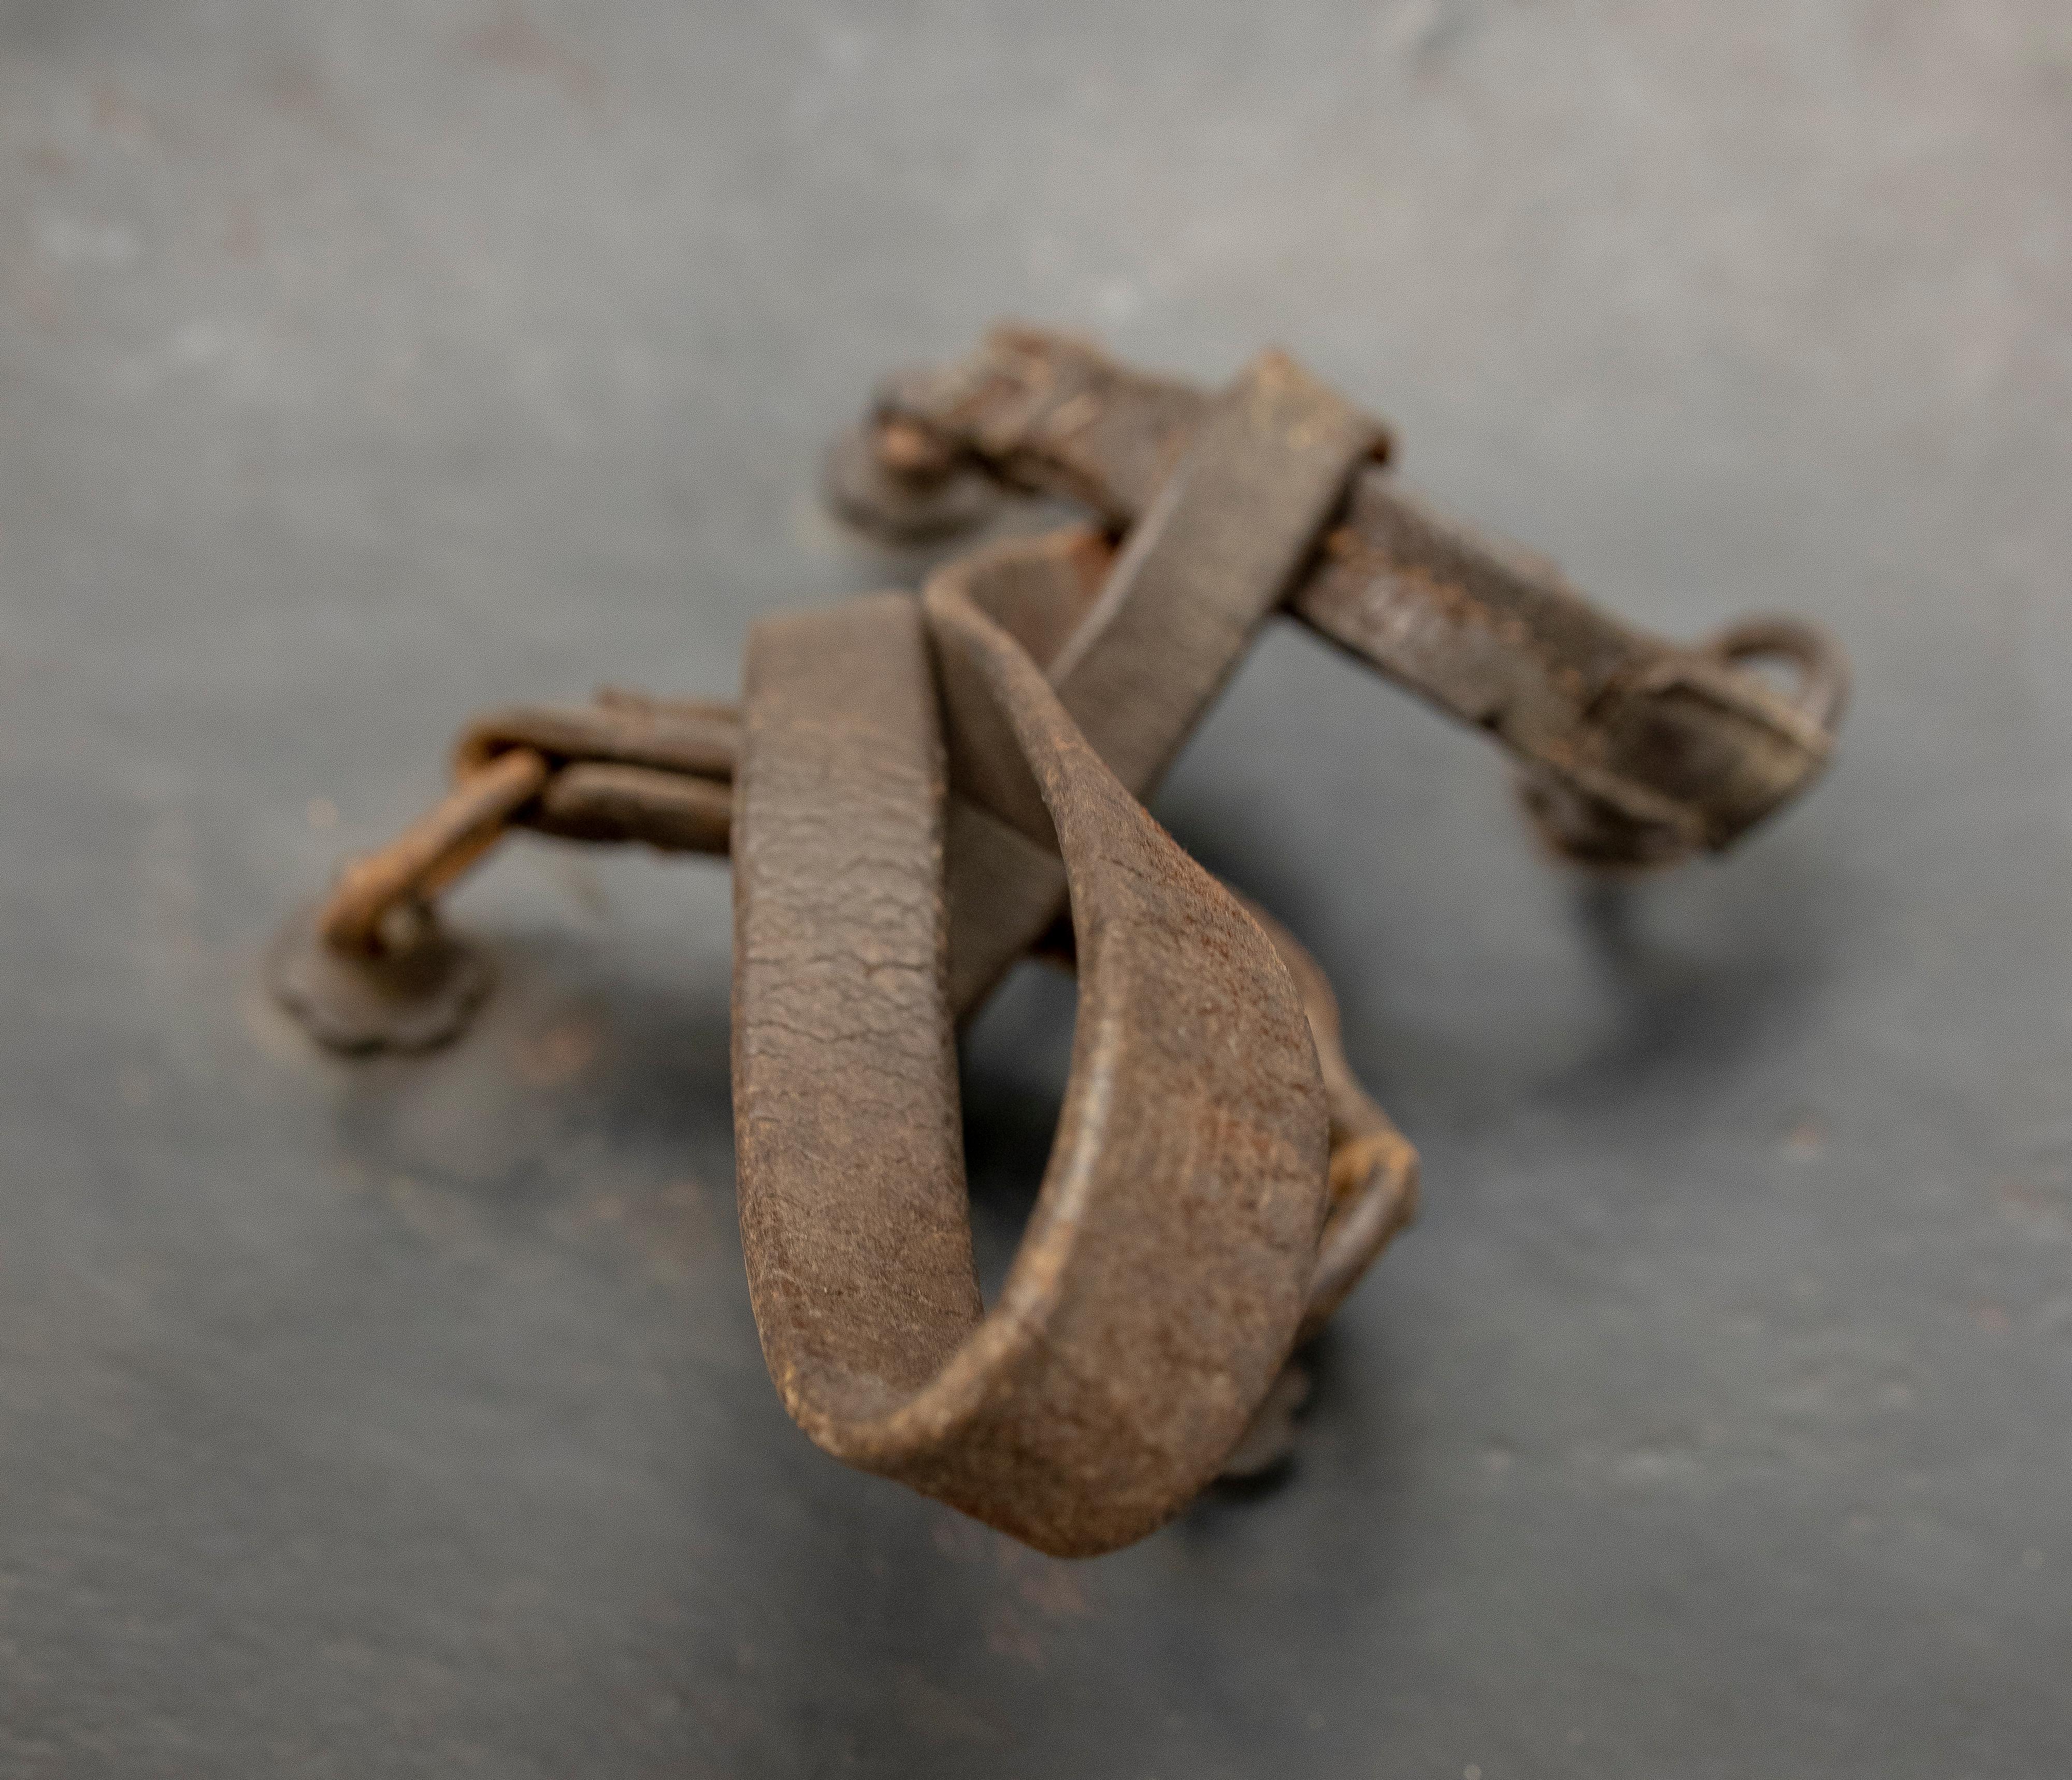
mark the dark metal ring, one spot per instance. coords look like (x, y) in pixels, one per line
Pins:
(1822, 693)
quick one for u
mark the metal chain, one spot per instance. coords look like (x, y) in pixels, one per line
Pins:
(628, 768)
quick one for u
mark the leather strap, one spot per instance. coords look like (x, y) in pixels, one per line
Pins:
(1635, 752)
(1166, 1266)
(1232, 527)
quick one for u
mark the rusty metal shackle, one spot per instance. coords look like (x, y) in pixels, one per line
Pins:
(916, 794)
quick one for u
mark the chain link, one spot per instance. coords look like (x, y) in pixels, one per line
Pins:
(628, 768)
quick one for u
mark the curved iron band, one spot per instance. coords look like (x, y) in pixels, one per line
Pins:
(1001, 886)
(627, 767)
(1138, 645)
(1166, 1267)
(1634, 752)
(1374, 1168)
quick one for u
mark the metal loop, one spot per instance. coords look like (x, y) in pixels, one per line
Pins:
(671, 812)
(699, 737)
(1822, 694)
(433, 853)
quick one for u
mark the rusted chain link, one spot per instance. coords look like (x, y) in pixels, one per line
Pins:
(629, 768)
(699, 739)
(370, 968)
(430, 855)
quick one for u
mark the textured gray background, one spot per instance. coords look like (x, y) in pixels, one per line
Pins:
(363, 362)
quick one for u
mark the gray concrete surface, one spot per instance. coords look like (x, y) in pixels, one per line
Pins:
(363, 363)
